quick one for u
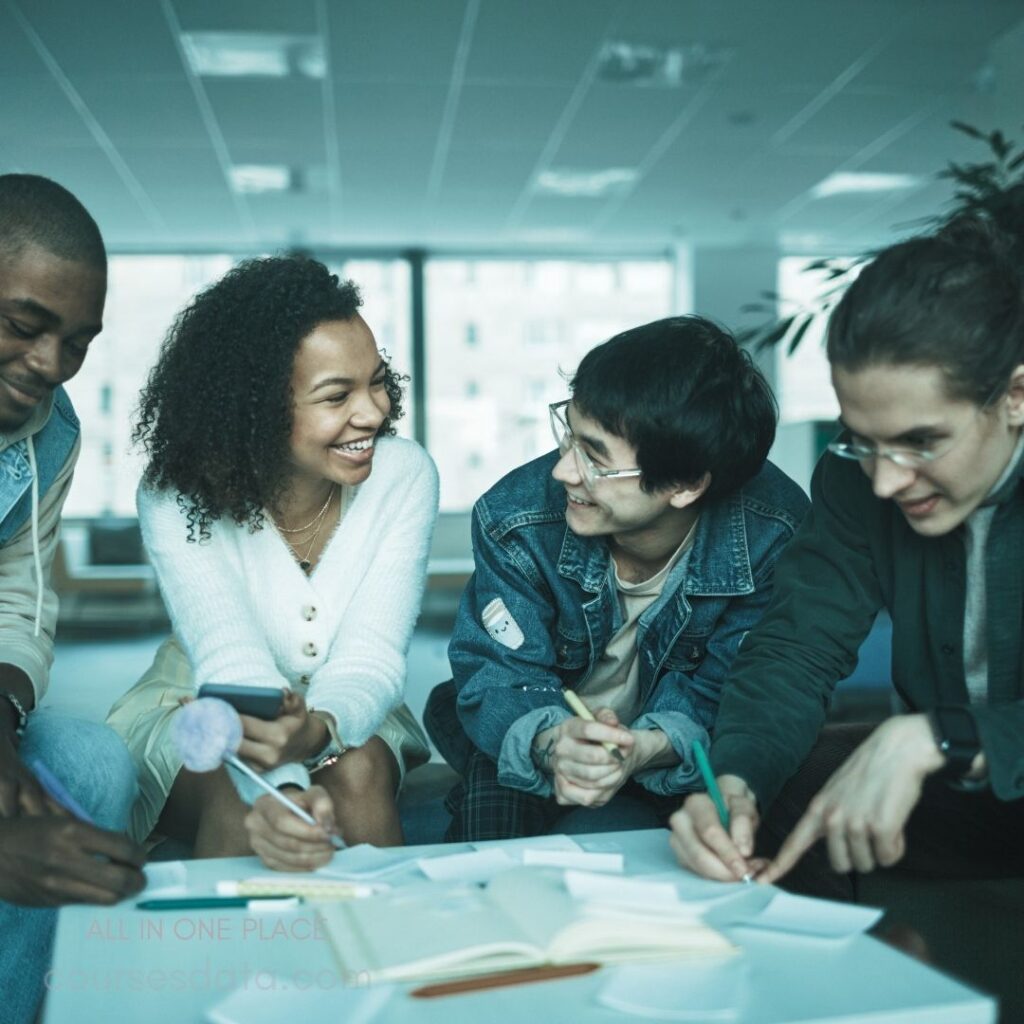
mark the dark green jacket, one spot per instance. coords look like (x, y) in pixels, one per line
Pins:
(853, 555)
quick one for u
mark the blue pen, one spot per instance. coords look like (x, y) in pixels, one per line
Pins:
(56, 790)
(713, 791)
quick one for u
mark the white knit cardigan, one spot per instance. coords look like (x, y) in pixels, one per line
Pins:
(246, 613)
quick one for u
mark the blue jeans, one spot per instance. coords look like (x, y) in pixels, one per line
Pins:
(97, 770)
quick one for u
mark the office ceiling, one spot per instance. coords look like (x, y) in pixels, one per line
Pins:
(462, 123)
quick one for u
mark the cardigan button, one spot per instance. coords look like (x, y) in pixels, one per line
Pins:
(309, 612)
(309, 650)
(303, 680)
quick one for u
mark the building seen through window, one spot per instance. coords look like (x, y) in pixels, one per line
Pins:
(500, 336)
(531, 321)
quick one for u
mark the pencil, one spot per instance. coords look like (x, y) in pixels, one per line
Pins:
(520, 976)
(582, 711)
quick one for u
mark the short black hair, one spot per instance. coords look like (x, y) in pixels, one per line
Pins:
(215, 416)
(954, 300)
(37, 211)
(685, 395)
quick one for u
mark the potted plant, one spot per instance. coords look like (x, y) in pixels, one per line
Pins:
(992, 188)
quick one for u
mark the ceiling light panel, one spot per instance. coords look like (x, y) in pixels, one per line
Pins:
(852, 182)
(637, 64)
(586, 184)
(254, 55)
(253, 179)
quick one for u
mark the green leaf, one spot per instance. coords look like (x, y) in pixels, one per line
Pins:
(798, 335)
(773, 335)
(967, 129)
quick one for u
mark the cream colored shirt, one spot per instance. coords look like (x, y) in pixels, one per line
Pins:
(615, 681)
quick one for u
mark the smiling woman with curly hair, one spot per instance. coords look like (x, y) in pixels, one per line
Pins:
(289, 531)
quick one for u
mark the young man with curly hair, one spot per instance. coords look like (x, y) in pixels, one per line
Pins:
(626, 567)
(53, 279)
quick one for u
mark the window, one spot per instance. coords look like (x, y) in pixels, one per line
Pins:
(386, 288)
(539, 318)
(144, 293)
(803, 382)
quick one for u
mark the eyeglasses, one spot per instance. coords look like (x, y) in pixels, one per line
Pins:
(566, 441)
(906, 458)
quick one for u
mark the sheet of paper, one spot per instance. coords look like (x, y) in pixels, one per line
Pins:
(517, 847)
(165, 878)
(365, 861)
(475, 866)
(613, 863)
(802, 915)
(690, 887)
(702, 990)
(632, 892)
(277, 999)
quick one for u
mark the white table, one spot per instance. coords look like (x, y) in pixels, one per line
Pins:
(125, 965)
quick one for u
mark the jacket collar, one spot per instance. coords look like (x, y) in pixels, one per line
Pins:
(1009, 483)
(719, 561)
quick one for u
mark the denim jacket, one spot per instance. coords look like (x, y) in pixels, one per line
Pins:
(559, 589)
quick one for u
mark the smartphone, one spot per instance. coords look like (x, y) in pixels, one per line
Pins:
(259, 701)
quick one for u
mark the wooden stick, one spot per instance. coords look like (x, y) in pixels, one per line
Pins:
(521, 976)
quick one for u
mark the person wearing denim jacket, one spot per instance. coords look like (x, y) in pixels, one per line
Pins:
(713, 519)
(52, 292)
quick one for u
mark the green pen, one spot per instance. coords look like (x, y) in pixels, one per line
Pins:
(709, 781)
(220, 903)
(713, 791)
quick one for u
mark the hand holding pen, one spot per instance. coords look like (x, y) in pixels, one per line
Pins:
(713, 832)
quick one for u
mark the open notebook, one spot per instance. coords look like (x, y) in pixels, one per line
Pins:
(525, 917)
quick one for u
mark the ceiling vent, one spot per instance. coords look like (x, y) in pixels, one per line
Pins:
(254, 55)
(622, 63)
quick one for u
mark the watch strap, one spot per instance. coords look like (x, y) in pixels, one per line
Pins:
(956, 736)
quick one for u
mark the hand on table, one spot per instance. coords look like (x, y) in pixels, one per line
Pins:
(582, 771)
(286, 843)
(51, 861)
(862, 809)
(703, 846)
(294, 735)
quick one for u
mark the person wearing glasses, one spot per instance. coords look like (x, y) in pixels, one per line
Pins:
(626, 566)
(917, 508)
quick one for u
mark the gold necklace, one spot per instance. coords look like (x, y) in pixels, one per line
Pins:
(315, 519)
(304, 562)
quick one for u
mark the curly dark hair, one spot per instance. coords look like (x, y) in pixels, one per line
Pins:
(215, 416)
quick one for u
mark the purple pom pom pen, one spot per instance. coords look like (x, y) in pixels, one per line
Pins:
(207, 732)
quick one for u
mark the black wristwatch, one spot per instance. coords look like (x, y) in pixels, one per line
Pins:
(956, 736)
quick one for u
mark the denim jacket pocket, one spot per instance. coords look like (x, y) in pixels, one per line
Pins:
(686, 654)
(572, 656)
